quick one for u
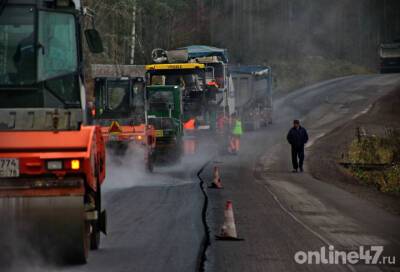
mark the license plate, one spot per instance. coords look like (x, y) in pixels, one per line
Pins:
(159, 133)
(9, 168)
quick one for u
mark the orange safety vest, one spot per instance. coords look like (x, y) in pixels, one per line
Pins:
(190, 125)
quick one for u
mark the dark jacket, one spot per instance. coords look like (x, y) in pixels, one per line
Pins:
(297, 137)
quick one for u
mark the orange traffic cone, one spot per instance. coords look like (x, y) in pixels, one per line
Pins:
(228, 229)
(217, 183)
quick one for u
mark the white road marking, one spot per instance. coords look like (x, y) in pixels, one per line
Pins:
(310, 229)
(322, 134)
(314, 139)
(295, 218)
(362, 112)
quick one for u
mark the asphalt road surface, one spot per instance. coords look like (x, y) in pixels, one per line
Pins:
(155, 221)
(279, 213)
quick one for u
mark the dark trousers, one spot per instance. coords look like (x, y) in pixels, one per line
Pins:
(297, 152)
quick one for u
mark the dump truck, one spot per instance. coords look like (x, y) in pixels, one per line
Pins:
(252, 88)
(389, 54)
(52, 164)
(119, 109)
(164, 107)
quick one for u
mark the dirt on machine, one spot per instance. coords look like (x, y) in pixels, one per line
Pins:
(52, 164)
(119, 108)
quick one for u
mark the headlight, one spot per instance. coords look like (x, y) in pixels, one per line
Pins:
(55, 165)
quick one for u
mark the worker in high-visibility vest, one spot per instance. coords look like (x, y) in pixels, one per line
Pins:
(237, 132)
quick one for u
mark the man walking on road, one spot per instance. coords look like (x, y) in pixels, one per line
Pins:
(297, 138)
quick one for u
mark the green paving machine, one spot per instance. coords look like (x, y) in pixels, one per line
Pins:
(164, 113)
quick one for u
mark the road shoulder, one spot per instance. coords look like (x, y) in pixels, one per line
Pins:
(327, 151)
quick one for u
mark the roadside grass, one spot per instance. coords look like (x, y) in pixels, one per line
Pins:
(377, 150)
(298, 73)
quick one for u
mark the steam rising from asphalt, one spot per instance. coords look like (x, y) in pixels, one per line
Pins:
(125, 170)
(17, 253)
(129, 170)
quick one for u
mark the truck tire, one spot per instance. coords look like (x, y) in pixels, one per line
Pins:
(80, 254)
(95, 234)
(76, 251)
(82, 259)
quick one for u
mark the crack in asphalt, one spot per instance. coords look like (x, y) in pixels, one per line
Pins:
(206, 241)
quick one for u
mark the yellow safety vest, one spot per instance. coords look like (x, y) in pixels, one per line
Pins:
(237, 129)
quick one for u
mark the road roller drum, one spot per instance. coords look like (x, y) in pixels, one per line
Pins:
(53, 228)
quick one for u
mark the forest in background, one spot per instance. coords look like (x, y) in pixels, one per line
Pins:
(296, 36)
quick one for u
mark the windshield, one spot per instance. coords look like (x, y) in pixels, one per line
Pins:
(57, 45)
(390, 52)
(161, 101)
(162, 123)
(138, 95)
(56, 48)
(119, 98)
(188, 80)
(17, 54)
(48, 68)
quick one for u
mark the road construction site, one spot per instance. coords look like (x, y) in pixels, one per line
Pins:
(279, 213)
(276, 212)
(182, 163)
(157, 220)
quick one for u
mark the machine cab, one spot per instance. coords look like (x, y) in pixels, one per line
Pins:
(121, 99)
(40, 65)
(189, 77)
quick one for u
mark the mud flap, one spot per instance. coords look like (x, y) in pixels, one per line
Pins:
(103, 222)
